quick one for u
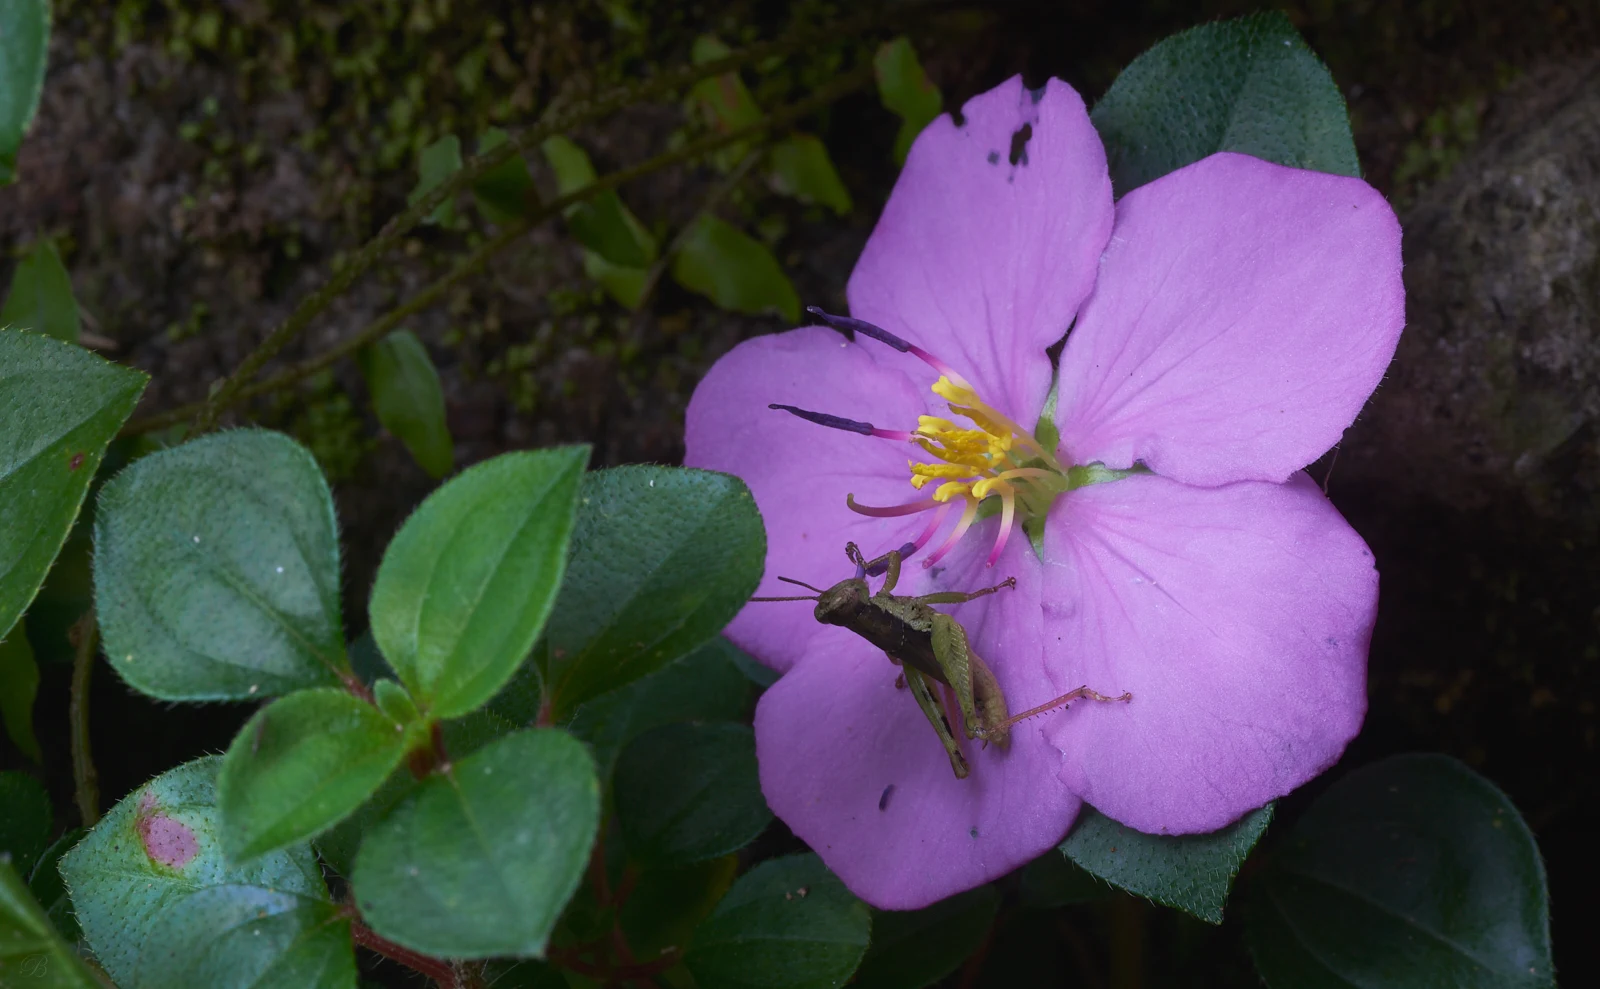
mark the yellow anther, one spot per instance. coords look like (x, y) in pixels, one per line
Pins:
(939, 470)
(951, 392)
(951, 489)
(991, 485)
(933, 423)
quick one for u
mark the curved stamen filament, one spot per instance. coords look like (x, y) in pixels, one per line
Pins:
(967, 515)
(1008, 512)
(890, 511)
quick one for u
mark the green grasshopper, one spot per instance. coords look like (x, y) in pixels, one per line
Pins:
(930, 646)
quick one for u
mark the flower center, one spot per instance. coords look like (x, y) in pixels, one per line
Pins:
(992, 466)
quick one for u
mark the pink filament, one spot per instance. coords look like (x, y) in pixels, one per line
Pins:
(932, 526)
(1008, 513)
(967, 515)
(943, 368)
(890, 511)
(893, 434)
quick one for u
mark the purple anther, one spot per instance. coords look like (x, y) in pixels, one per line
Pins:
(861, 326)
(823, 419)
(840, 422)
(882, 566)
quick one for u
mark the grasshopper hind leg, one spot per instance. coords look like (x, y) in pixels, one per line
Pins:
(935, 714)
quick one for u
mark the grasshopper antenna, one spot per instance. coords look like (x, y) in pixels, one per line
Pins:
(791, 580)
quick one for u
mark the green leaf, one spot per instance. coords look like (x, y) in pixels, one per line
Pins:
(1191, 872)
(624, 284)
(666, 905)
(1248, 85)
(907, 91)
(788, 923)
(437, 162)
(61, 406)
(246, 937)
(49, 889)
(19, 685)
(724, 100)
(733, 270)
(800, 167)
(40, 298)
(1413, 871)
(662, 559)
(479, 861)
(31, 953)
(408, 399)
(467, 583)
(302, 765)
(24, 49)
(705, 685)
(25, 819)
(339, 844)
(602, 223)
(394, 702)
(917, 948)
(689, 792)
(217, 570)
(159, 846)
(505, 192)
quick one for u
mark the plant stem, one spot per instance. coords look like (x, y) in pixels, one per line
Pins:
(437, 969)
(227, 392)
(86, 782)
(381, 327)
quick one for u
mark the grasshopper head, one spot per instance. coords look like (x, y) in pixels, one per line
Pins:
(837, 604)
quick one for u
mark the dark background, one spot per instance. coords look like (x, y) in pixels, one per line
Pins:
(201, 164)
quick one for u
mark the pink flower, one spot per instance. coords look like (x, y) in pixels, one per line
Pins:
(1228, 321)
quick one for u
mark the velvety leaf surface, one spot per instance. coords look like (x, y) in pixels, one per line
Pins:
(338, 845)
(19, 685)
(1248, 85)
(688, 792)
(1411, 872)
(465, 586)
(916, 948)
(906, 90)
(479, 861)
(160, 845)
(24, 48)
(1190, 872)
(61, 406)
(662, 558)
(800, 167)
(705, 685)
(246, 937)
(217, 570)
(32, 954)
(40, 298)
(300, 766)
(25, 819)
(408, 400)
(788, 923)
(733, 270)
(436, 163)
(506, 191)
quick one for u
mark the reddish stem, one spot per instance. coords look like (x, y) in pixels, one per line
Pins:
(436, 969)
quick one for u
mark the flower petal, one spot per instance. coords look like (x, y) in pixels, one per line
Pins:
(1243, 313)
(835, 734)
(984, 262)
(800, 472)
(1238, 617)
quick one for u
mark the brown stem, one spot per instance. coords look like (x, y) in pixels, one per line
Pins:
(86, 782)
(1127, 942)
(836, 88)
(227, 392)
(437, 969)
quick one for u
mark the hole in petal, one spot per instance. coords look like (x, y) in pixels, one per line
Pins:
(1019, 145)
(994, 157)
